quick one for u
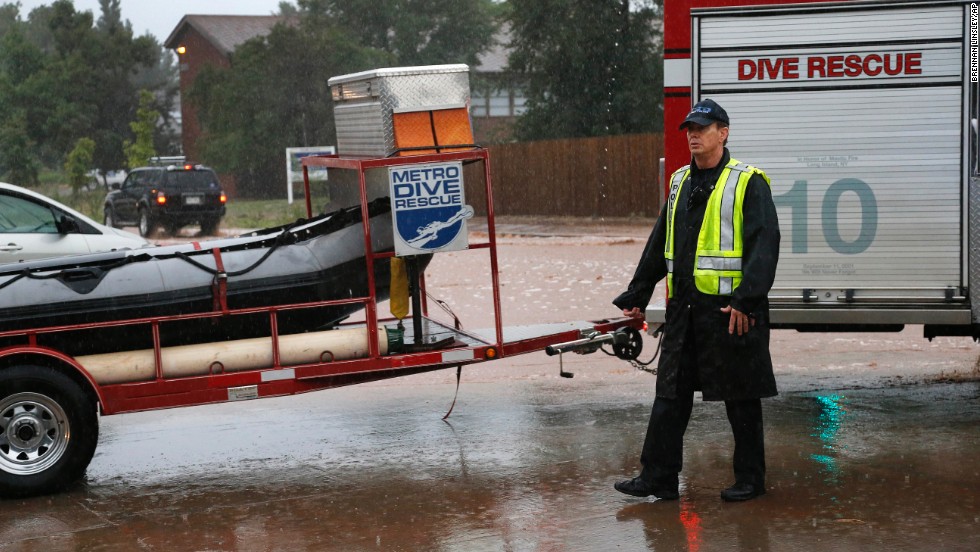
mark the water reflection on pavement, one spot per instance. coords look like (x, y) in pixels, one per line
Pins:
(520, 466)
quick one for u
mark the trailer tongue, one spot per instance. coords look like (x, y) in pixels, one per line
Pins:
(235, 319)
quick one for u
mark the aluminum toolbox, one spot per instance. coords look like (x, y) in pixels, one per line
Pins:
(365, 103)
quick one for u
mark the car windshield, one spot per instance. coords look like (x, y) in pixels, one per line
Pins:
(190, 180)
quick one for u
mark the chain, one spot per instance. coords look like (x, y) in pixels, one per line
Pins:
(643, 367)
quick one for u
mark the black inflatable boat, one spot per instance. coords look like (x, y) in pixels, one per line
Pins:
(310, 260)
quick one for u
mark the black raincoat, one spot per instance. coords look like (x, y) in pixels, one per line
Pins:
(696, 342)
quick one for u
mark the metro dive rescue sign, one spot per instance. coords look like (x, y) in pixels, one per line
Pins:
(428, 208)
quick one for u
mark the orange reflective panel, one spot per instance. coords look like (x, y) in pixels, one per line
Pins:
(437, 128)
(412, 130)
(453, 127)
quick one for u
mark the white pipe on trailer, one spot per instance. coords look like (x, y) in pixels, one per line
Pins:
(230, 356)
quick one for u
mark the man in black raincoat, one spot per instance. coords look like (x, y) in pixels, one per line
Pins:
(716, 336)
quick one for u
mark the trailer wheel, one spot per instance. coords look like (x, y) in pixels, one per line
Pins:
(48, 431)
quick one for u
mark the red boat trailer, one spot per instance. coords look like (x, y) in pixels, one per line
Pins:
(49, 401)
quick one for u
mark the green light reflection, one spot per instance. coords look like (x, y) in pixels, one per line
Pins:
(827, 427)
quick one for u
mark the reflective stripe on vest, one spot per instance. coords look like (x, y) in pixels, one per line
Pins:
(718, 260)
(676, 179)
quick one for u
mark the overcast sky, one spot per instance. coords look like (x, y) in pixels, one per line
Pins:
(159, 17)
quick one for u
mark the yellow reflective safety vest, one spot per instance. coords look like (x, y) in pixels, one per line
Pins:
(718, 259)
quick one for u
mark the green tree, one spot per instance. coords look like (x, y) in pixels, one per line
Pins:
(78, 163)
(415, 32)
(274, 96)
(67, 77)
(9, 17)
(140, 150)
(129, 58)
(160, 77)
(111, 19)
(20, 60)
(17, 160)
(590, 68)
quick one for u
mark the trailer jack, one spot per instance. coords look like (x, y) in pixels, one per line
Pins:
(627, 343)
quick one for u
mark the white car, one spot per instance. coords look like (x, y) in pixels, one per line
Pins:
(111, 178)
(33, 226)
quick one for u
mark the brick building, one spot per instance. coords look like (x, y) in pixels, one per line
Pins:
(202, 40)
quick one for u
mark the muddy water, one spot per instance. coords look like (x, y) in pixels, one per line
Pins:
(867, 449)
(521, 465)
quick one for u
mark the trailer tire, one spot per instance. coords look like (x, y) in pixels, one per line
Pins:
(48, 431)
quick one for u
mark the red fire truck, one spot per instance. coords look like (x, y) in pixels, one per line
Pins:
(864, 115)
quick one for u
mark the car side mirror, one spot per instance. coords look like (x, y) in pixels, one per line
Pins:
(115, 186)
(67, 225)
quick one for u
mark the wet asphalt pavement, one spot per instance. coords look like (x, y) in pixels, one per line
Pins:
(872, 444)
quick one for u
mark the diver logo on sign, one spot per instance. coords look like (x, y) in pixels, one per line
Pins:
(428, 208)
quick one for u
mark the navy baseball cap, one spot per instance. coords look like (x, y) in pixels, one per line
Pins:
(706, 112)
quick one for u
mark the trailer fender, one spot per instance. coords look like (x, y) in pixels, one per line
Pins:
(43, 356)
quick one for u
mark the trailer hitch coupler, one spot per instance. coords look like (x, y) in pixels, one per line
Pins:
(626, 342)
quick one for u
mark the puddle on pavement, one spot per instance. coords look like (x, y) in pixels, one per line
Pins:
(519, 467)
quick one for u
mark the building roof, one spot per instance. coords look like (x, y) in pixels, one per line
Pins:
(226, 32)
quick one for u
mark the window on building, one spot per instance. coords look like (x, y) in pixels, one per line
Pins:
(500, 103)
(478, 103)
(504, 102)
(519, 101)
